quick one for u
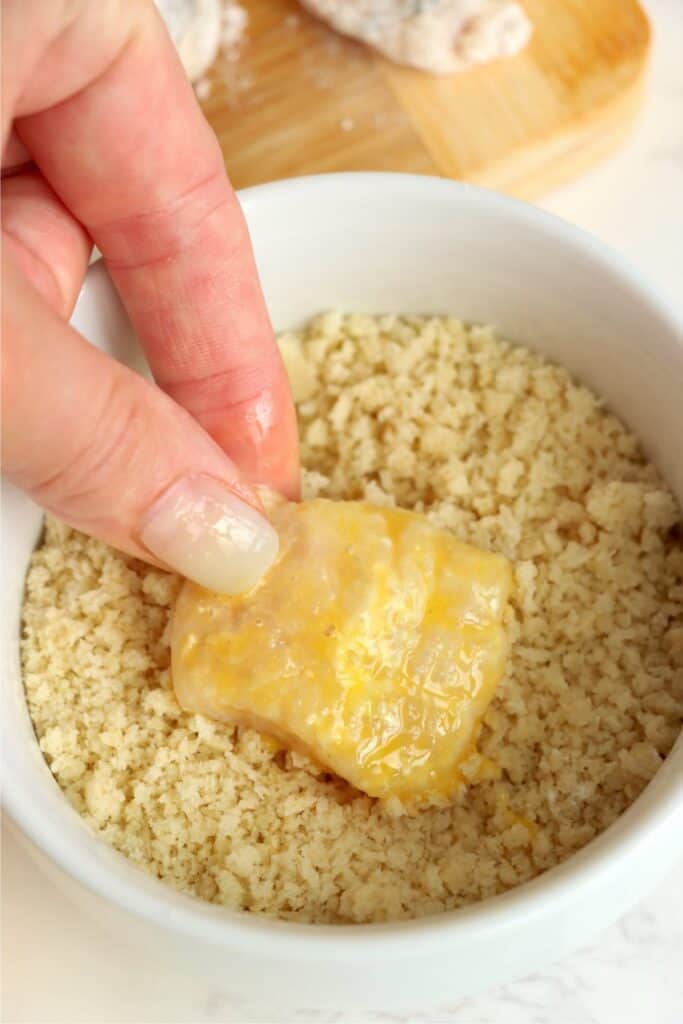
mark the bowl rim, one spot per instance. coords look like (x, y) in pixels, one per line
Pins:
(589, 869)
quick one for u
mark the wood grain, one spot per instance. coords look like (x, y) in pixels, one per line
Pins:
(302, 100)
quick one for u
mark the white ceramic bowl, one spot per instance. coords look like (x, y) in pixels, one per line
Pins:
(390, 243)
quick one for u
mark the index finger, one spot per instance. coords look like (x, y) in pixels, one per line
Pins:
(130, 154)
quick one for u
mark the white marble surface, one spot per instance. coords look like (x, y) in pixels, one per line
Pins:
(58, 967)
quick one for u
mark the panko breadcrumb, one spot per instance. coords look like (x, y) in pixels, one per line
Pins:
(508, 452)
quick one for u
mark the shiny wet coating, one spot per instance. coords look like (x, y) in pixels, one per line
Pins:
(374, 644)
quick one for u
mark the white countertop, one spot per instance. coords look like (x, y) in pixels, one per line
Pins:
(57, 966)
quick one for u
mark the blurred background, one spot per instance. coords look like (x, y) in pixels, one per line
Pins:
(288, 95)
(586, 119)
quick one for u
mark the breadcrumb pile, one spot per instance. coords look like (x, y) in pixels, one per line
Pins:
(506, 450)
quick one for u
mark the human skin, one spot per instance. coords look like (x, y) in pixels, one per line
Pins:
(103, 142)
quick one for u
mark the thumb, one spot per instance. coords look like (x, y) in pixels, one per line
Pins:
(114, 456)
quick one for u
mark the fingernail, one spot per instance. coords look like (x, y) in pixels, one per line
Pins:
(203, 531)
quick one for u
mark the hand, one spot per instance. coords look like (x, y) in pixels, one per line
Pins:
(104, 142)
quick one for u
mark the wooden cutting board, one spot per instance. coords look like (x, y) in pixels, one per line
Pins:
(300, 99)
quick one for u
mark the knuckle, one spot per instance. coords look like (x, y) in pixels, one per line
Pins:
(225, 390)
(99, 462)
(143, 240)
